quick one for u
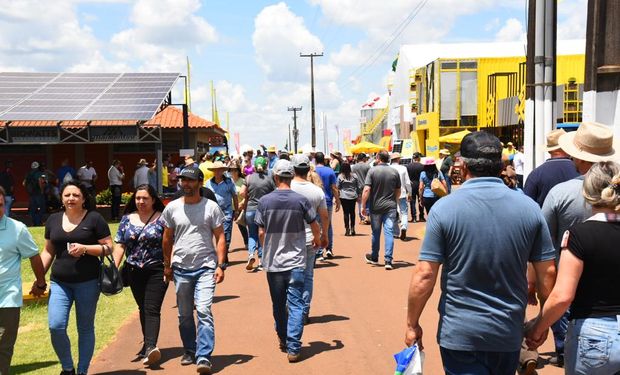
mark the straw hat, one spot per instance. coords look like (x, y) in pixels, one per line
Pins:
(444, 151)
(217, 165)
(272, 148)
(395, 155)
(552, 139)
(591, 142)
(142, 162)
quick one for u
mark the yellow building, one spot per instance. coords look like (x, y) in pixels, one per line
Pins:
(457, 94)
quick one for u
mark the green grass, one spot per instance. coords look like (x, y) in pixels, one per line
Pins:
(33, 350)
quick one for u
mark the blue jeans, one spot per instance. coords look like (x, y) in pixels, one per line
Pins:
(403, 213)
(330, 230)
(36, 209)
(559, 332)
(309, 278)
(8, 203)
(228, 227)
(593, 346)
(62, 295)
(456, 362)
(376, 221)
(286, 289)
(253, 242)
(196, 288)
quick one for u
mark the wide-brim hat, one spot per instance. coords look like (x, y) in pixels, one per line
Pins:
(142, 162)
(552, 139)
(428, 161)
(395, 155)
(272, 149)
(591, 142)
(217, 165)
(444, 151)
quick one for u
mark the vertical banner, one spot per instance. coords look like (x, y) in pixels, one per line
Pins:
(346, 140)
(331, 147)
(237, 147)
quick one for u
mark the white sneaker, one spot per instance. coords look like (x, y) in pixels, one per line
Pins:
(250, 265)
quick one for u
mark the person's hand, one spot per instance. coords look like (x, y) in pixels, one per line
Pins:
(534, 335)
(219, 275)
(337, 206)
(413, 335)
(365, 211)
(531, 295)
(167, 274)
(235, 214)
(408, 198)
(317, 241)
(324, 241)
(76, 250)
(36, 290)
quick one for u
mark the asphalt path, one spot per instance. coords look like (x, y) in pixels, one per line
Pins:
(357, 317)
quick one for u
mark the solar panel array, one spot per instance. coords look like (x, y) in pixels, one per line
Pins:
(83, 96)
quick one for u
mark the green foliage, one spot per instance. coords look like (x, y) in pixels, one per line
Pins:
(33, 350)
(105, 197)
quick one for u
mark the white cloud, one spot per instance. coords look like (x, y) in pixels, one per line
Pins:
(572, 16)
(492, 25)
(279, 37)
(511, 31)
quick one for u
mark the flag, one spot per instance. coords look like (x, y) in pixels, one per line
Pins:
(214, 116)
(187, 93)
(237, 147)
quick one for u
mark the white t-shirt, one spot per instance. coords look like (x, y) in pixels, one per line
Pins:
(518, 161)
(315, 195)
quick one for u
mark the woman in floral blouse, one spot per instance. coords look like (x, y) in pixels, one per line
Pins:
(139, 237)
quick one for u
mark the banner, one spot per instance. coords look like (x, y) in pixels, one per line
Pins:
(236, 140)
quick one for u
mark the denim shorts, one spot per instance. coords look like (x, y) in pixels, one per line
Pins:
(593, 346)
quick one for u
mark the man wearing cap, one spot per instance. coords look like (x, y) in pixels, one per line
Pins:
(382, 190)
(226, 194)
(483, 281)
(557, 169)
(316, 197)
(445, 165)
(191, 223)
(141, 175)
(405, 195)
(414, 169)
(508, 151)
(281, 217)
(361, 168)
(34, 183)
(332, 194)
(565, 205)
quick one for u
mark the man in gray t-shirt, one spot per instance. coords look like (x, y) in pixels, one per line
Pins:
(316, 197)
(190, 225)
(383, 189)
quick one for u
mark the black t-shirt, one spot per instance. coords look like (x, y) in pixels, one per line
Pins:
(413, 170)
(596, 244)
(67, 268)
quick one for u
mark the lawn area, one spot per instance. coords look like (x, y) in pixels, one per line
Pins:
(33, 350)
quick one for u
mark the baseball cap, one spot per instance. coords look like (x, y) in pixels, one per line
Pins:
(34, 165)
(192, 173)
(283, 168)
(481, 145)
(300, 161)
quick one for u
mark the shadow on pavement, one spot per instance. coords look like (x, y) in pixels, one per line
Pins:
(402, 264)
(122, 372)
(325, 264)
(407, 239)
(318, 347)
(341, 257)
(217, 299)
(220, 362)
(28, 367)
(235, 262)
(327, 318)
(168, 354)
(237, 249)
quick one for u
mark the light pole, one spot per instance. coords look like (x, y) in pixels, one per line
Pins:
(312, 56)
(295, 131)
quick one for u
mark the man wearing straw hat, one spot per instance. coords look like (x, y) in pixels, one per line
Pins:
(226, 194)
(565, 205)
(557, 169)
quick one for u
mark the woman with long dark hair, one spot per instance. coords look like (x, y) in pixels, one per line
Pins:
(429, 173)
(139, 238)
(350, 192)
(74, 239)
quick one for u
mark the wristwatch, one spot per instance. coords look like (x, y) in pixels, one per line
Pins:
(222, 266)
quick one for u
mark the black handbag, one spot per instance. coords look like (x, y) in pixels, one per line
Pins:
(110, 282)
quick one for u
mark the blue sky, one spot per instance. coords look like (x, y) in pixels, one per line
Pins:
(250, 48)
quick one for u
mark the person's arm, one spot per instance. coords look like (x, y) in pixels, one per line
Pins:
(551, 217)
(562, 295)
(47, 255)
(166, 244)
(220, 249)
(365, 195)
(336, 194)
(39, 286)
(261, 235)
(421, 189)
(118, 253)
(420, 290)
(103, 247)
(316, 233)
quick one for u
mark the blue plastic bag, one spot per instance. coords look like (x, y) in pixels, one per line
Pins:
(409, 361)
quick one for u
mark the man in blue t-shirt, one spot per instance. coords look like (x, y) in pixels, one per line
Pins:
(483, 281)
(281, 217)
(328, 177)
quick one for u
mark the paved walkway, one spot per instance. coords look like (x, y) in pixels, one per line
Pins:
(357, 319)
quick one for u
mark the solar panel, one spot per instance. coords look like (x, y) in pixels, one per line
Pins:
(83, 96)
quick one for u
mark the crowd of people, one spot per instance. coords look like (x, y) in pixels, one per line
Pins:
(283, 206)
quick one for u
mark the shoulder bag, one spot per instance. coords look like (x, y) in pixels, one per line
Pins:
(125, 268)
(437, 188)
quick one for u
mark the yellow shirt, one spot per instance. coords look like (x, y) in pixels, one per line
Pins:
(204, 167)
